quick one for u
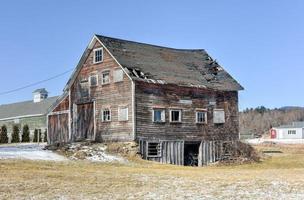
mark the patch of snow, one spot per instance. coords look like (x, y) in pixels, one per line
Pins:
(28, 151)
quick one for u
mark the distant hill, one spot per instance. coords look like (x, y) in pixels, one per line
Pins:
(255, 122)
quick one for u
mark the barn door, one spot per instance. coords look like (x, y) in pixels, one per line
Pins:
(58, 128)
(85, 121)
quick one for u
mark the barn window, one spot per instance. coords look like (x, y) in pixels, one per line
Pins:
(98, 55)
(154, 149)
(105, 77)
(292, 132)
(123, 114)
(106, 115)
(201, 117)
(118, 75)
(218, 116)
(175, 115)
(158, 115)
(93, 80)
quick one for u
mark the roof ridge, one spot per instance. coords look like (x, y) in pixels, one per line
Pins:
(142, 43)
(27, 101)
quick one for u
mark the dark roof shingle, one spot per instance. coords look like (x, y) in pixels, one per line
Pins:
(190, 67)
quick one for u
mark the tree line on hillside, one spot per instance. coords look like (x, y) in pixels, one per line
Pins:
(255, 122)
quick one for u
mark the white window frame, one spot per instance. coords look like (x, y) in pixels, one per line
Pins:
(114, 75)
(102, 79)
(163, 115)
(94, 55)
(180, 115)
(119, 114)
(222, 110)
(205, 112)
(92, 75)
(102, 114)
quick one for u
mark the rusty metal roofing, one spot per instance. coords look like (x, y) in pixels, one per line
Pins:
(189, 67)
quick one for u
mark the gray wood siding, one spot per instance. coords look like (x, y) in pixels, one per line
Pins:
(110, 96)
(149, 96)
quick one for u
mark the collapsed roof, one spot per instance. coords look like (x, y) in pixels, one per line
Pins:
(189, 67)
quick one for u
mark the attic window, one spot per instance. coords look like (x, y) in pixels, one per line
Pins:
(93, 80)
(158, 115)
(118, 75)
(105, 77)
(98, 55)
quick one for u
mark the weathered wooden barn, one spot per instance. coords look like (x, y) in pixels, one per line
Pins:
(180, 105)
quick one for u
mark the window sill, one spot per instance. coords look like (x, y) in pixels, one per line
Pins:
(161, 122)
(175, 122)
(105, 84)
(201, 123)
(94, 63)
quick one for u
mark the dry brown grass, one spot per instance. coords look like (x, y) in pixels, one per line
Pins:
(278, 177)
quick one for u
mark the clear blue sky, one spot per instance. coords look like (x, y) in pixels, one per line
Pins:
(260, 43)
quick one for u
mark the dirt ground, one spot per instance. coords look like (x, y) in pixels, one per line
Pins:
(279, 176)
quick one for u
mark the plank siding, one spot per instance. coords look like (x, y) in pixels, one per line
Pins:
(111, 96)
(149, 96)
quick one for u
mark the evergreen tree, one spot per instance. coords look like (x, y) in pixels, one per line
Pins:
(25, 134)
(36, 135)
(45, 136)
(15, 136)
(3, 134)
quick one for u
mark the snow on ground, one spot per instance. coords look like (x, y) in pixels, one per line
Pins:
(94, 153)
(282, 141)
(30, 151)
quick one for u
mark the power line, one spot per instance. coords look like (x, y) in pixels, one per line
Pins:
(36, 83)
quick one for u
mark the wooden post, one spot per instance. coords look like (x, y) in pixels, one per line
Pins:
(200, 155)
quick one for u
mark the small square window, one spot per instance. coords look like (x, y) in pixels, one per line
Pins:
(118, 75)
(93, 80)
(292, 132)
(98, 55)
(175, 115)
(105, 77)
(106, 115)
(218, 116)
(158, 115)
(123, 114)
(201, 117)
(154, 149)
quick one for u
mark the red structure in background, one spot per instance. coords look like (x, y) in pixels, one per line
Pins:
(273, 134)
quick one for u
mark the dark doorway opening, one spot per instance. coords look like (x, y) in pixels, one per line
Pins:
(191, 150)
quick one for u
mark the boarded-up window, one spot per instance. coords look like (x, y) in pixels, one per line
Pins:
(84, 89)
(158, 115)
(98, 55)
(175, 115)
(105, 77)
(118, 75)
(106, 115)
(154, 149)
(123, 114)
(201, 116)
(218, 116)
(93, 80)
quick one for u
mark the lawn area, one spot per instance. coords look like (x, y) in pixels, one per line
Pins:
(280, 176)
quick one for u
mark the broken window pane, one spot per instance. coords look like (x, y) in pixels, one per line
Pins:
(105, 77)
(175, 116)
(106, 115)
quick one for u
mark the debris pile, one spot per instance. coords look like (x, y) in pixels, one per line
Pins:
(95, 152)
